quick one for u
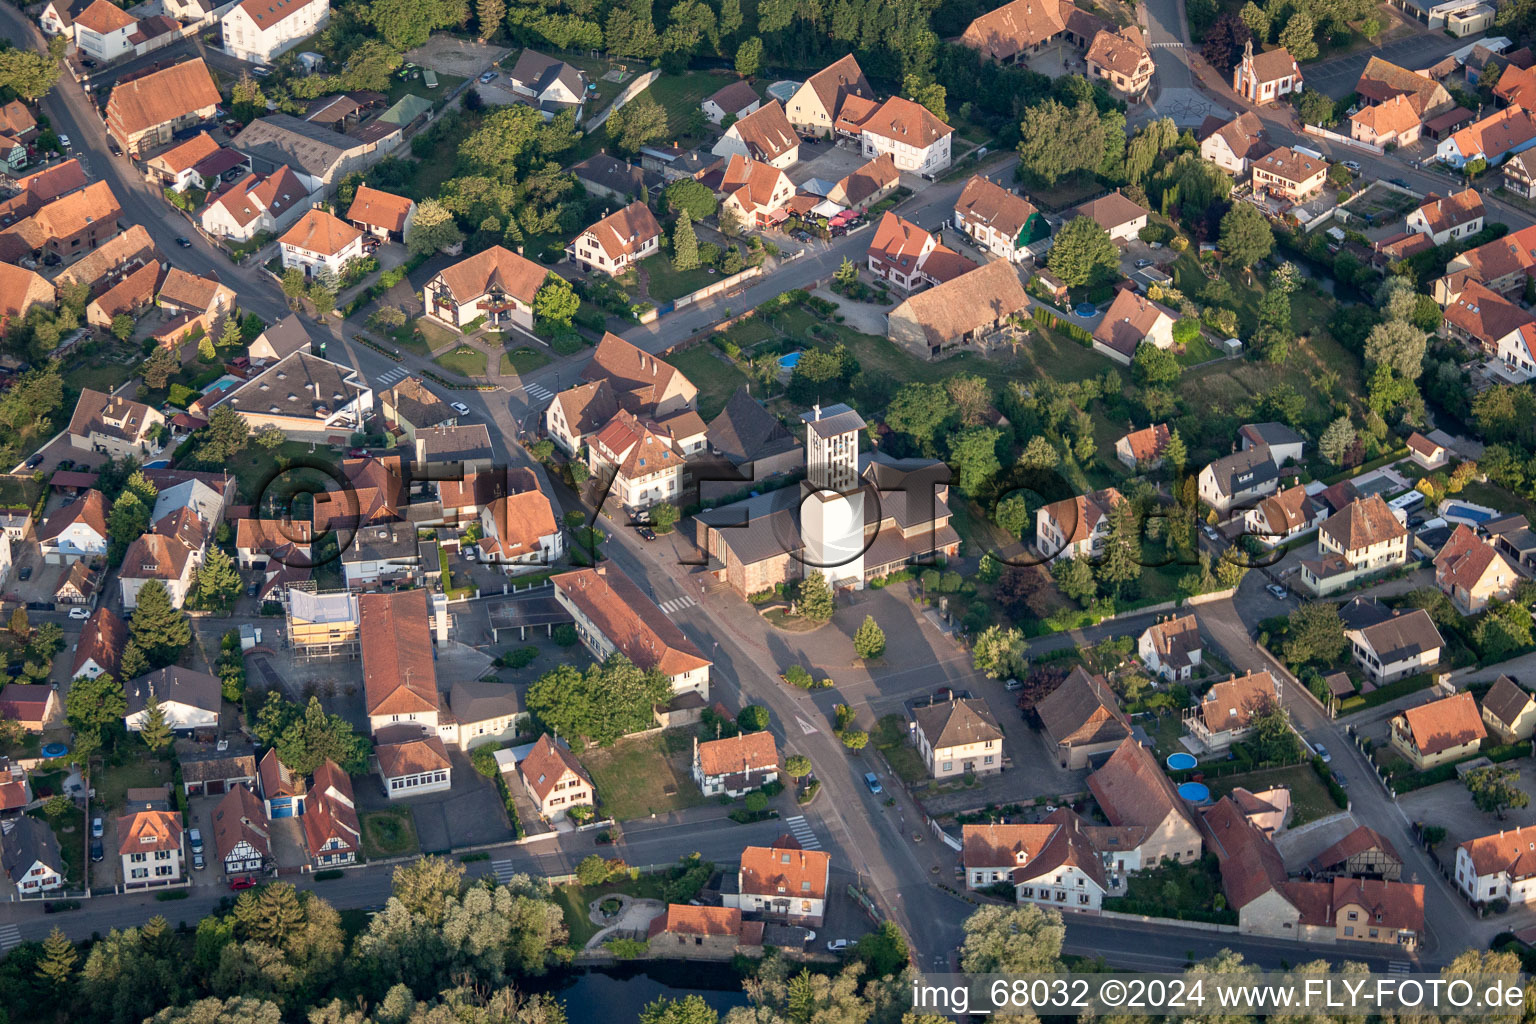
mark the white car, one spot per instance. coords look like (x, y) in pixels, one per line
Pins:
(837, 945)
(460, 408)
(79, 613)
(64, 141)
(1351, 166)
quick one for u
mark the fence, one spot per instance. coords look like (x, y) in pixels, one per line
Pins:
(632, 90)
(1345, 140)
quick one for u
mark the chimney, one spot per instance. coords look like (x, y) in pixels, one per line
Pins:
(316, 386)
(816, 412)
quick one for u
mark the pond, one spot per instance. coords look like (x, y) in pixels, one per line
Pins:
(619, 993)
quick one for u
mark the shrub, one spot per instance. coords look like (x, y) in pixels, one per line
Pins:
(329, 875)
(798, 677)
(756, 803)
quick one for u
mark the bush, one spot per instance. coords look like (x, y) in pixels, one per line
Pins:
(520, 658)
(164, 896)
(329, 875)
(798, 677)
(756, 803)
(565, 635)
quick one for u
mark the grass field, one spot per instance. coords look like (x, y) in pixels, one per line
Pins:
(638, 777)
(1309, 795)
(665, 283)
(256, 469)
(142, 770)
(523, 360)
(71, 831)
(388, 833)
(716, 377)
(464, 361)
(434, 334)
(891, 740)
(573, 900)
(19, 490)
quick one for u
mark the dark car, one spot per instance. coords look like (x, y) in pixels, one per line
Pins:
(26, 572)
(251, 590)
(35, 461)
(1400, 183)
(98, 852)
(243, 882)
(185, 243)
(646, 533)
(66, 463)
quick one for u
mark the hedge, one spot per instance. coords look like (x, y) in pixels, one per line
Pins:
(1382, 694)
(1411, 781)
(1126, 905)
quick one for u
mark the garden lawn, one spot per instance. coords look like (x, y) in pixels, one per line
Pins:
(140, 770)
(1186, 891)
(680, 95)
(1309, 794)
(716, 378)
(891, 740)
(418, 87)
(643, 775)
(1494, 496)
(465, 361)
(435, 334)
(70, 828)
(389, 833)
(573, 900)
(664, 282)
(19, 490)
(98, 375)
(255, 468)
(523, 360)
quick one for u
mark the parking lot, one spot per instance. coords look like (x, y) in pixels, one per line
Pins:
(827, 161)
(1450, 806)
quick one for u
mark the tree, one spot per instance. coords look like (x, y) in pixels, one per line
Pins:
(295, 285)
(405, 24)
(869, 639)
(154, 731)
(664, 517)
(797, 766)
(1315, 634)
(1176, 454)
(1057, 141)
(157, 369)
(1503, 629)
(427, 885)
(1012, 940)
(1257, 20)
(927, 93)
(1273, 738)
(854, 739)
(998, 652)
(1012, 515)
(749, 56)
(432, 229)
(685, 244)
(847, 273)
(1246, 237)
(883, 951)
(1156, 366)
(636, 124)
(127, 521)
(1074, 578)
(1496, 788)
(271, 437)
(556, 301)
(29, 73)
(205, 349)
(159, 629)
(1224, 42)
(1083, 253)
(218, 581)
(1336, 440)
(58, 960)
(972, 396)
(1120, 564)
(1039, 454)
(224, 436)
(693, 196)
(1319, 108)
(813, 597)
(122, 327)
(1396, 344)
(601, 704)
(973, 457)
(752, 718)
(20, 627)
(306, 737)
(690, 1009)
(1298, 36)
(919, 409)
(488, 15)
(94, 704)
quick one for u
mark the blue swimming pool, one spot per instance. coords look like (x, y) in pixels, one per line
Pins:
(1181, 761)
(55, 750)
(1471, 515)
(1195, 792)
(790, 361)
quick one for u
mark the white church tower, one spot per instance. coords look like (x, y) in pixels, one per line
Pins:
(832, 511)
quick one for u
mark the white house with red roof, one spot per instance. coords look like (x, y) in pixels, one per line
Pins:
(382, 214)
(613, 615)
(320, 244)
(735, 765)
(911, 258)
(1498, 866)
(912, 136)
(257, 203)
(104, 30)
(260, 30)
(783, 882)
(1075, 527)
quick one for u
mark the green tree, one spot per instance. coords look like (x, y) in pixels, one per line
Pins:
(58, 961)
(1246, 237)
(883, 951)
(157, 369)
(1039, 453)
(797, 766)
(813, 597)
(29, 73)
(134, 663)
(1176, 454)
(919, 409)
(1155, 366)
(218, 581)
(427, 886)
(998, 652)
(869, 639)
(1057, 141)
(636, 124)
(752, 718)
(664, 517)
(973, 457)
(225, 435)
(922, 90)
(1012, 515)
(122, 327)
(488, 15)
(1495, 789)
(205, 349)
(1121, 564)
(693, 196)
(1273, 738)
(1012, 940)
(1314, 634)
(749, 56)
(685, 244)
(306, 737)
(1336, 440)
(690, 1009)
(1257, 20)
(854, 739)
(432, 229)
(601, 704)
(556, 302)
(405, 24)
(1397, 344)
(1083, 253)
(1299, 36)
(95, 704)
(847, 273)
(154, 731)
(1503, 629)
(295, 285)
(159, 629)
(128, 520)
(271, 438)
(20, 627)
(1074, 578)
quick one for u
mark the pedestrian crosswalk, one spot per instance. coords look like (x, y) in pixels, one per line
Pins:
(503, 870)
(537, 393)
(1399, 967)
(677, 604)
(801, 830)
(389, 378)
(10, 936)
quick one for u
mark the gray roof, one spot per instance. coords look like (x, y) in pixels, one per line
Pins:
(908, 487)
(745, 431)
(612, 174)
(955, 722)
(1271, 433)
(303, 145)
(538, 72)
(1403, 636)
(1514, 529)
(392, 542)
(418, 406)
(338, 606)
(454, 444)
(1244, 471)
(181, 685)
(218, 769)
(833, 420)
(28, 842)
(1362, 612)
(287, 336)
(478, 702)
(288, 388)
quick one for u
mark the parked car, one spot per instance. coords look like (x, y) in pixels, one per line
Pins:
(66, 463)
(79, 613)
(35, 461)
(252, 590)
(1013, 684)
(488, 76)
(195, 840)
(261, 72)
(98, 852)
(1351, 166)
(185, 243)
(1143, 263)
(197, 861)
(1277, 591)
(1341, 780)
(837, 945)
(242, 882)
(873, 783)
(97, 828)
(646, 533)
(64, 142)
(1322, 752)
(459, 407)
(1400, 183)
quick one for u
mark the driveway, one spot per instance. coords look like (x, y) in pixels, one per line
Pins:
(1450, 806)
(826, 161)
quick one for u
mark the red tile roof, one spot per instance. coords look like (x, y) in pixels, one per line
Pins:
(625, 232)
(318, 231)
(901, 120)
(379, 209)
(148, 831)
(745, 752)
(1512, 853)
(1443, 724)
(398, 674)
(162, 96)
(412, 757)
(546, 764)
(621, 612)
(777, 871)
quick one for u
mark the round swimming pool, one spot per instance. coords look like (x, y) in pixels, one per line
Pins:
(1181, 761)
(55, 750)
(1195, 792)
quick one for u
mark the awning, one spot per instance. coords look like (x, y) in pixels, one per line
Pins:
(826, 208)
(777, 216)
